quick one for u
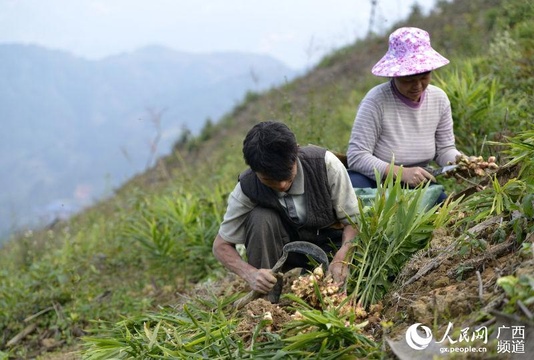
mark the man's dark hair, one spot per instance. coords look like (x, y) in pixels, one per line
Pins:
(271, 148)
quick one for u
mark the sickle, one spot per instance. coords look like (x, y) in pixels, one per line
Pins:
(300, 247)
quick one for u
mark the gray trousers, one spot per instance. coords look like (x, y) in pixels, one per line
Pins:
(266, 237)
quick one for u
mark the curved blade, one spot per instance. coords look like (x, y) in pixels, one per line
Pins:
(306, 248)
(301, 247)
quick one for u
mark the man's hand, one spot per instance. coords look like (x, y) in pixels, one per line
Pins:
(339, 271)
(414, 176)
(261, 280)
(339, 267)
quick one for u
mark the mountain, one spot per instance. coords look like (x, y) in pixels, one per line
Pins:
(74, 129)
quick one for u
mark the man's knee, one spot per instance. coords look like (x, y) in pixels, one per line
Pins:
(262, 221)
(261, 215)
(265, 237)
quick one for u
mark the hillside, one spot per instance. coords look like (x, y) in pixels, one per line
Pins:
(134, 276)
(76, 129)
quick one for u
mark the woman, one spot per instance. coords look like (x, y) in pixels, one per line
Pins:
(406, 119)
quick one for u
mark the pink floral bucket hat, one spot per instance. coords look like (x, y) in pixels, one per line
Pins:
(409, 53)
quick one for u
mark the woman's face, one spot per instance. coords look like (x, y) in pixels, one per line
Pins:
(412, 86)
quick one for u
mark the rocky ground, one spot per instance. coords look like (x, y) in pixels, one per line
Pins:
(437, 287)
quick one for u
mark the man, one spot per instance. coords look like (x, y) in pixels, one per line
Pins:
(288, 194)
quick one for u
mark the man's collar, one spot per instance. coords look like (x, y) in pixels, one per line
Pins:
(297, 188)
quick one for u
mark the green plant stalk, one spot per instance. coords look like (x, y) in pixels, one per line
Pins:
(151, 335)
(390, 231)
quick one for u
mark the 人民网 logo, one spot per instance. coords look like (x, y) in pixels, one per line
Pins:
(415, 340)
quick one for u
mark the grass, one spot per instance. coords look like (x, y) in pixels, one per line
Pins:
(392, 230)
(157, 248)
(198, 330)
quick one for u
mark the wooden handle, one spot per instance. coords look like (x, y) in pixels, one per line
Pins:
(253, 295)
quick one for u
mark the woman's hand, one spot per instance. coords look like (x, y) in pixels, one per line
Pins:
(414, 176)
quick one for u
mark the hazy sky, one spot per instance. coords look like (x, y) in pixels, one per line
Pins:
(298, 32)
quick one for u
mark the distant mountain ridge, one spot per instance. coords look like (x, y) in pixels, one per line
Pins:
(75, 128)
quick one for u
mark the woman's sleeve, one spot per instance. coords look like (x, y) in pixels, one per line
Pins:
(364, 136)
(445, 141)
